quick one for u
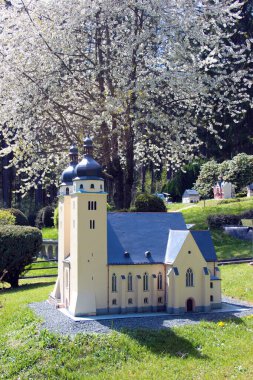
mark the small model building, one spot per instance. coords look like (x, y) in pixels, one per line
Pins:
(223, 190)
(127, 262)
(250, 190)
(190, 196)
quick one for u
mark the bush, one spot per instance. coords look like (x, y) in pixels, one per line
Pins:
(20, 218)
(45, 217)
(218, 221)
(226, 201)
(149, 203)
(6, 217)
(247, 214)
(56, 217)
(18, 246)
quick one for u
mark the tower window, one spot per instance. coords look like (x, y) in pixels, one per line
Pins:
(130, 282)
(211, 298)
(211, 285)
(160, 300)
(114, 301)
(81, 187)
(160, 281)
(130, 301)
(67, 191)
(146, 300)
(92, 186)
(92, 224)
(101, 187)
(189, 277)
(92, 205)
(145, 282)
(114, 283)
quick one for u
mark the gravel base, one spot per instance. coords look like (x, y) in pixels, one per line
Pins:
(56, 321)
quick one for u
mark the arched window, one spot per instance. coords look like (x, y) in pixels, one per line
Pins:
(81, 187)
(189, 277)
(67, 191)
(92, 186)
(130, 282)
(160, 281)
(114, 283)
(130, 301)
(95, 205)
(145, 282)
(146, 300)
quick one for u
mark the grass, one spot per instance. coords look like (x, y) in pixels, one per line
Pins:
(41, 268)
(237, 281)
(189, 352)
(50, 233)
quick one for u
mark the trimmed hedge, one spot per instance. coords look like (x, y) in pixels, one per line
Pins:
(18, 246)
(218, 221)
(20, 218)
(149, 203)
(45, 217)
(6, 217)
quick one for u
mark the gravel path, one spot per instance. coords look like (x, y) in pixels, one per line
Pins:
(56, 321)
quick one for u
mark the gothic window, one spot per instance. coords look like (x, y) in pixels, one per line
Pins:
(92, 224)
(145, 282)
(160, 281)
(130, 282)
(114, 283)
(189, 277)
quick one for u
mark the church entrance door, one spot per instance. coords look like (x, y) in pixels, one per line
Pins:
(190, 304)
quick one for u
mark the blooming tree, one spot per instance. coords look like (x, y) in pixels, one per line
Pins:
(140, 76)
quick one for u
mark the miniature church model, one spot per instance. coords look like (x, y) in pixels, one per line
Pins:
(127, 262)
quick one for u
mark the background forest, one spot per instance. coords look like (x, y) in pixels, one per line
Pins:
(160, 85)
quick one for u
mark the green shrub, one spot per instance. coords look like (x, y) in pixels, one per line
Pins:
(45, 217)
(218, 221)
(56, 217)
(20, 218)
(149, 203)
(18, 246)
(6, 217)
(227, 201)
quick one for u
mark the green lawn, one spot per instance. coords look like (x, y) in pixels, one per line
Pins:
(237, 281)
(50, 233)
(47, 268)
(201, 351)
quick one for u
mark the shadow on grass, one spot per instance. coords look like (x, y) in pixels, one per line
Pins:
(165, 342)
(24, 287)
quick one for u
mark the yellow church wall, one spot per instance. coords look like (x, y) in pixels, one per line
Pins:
(178, 293)
(88, 286)
(122, 295)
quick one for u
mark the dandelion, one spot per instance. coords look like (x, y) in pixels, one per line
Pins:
(221, 324)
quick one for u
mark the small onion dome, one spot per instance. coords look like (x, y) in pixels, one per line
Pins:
(69, 173)
(88, 167)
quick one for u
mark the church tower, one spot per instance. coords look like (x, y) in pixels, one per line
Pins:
(83, 241)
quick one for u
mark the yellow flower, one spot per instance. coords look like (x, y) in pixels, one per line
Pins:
(221, 324)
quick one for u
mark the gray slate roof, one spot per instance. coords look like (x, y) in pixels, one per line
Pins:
(188, 192)
(137, 233)
(162, 234)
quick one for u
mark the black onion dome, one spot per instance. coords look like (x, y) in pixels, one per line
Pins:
(69, 173)
(88, 167)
